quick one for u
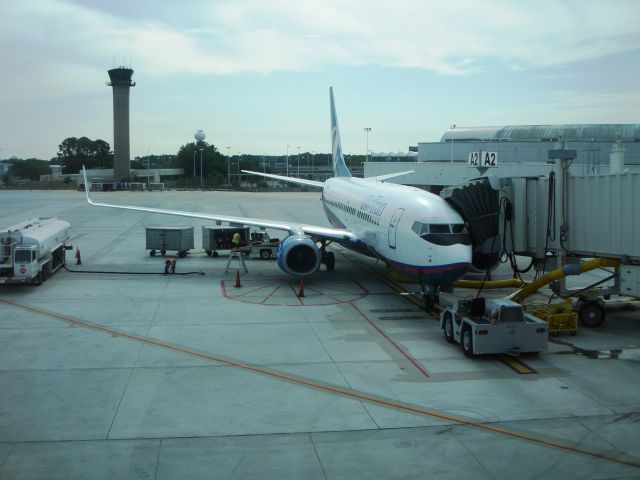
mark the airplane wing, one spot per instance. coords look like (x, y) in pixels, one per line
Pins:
(328, 233)
(300, 181)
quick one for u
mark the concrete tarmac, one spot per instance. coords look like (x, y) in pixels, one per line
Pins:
(114, 375)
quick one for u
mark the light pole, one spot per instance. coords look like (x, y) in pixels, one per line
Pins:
(201, 185)
(199, 136)
(287, 160)
(193, 175)
(366, 131)
(228, 166)
(298, 162)
(313, 161)
(452, 127)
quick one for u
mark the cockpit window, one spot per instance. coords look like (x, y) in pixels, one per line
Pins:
(439, 228)
(442, 233)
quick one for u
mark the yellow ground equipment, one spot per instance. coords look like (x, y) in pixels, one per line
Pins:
(560, 317)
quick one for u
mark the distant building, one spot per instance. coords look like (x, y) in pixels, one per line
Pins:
(531, 143)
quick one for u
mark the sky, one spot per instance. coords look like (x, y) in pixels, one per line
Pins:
(254, 75)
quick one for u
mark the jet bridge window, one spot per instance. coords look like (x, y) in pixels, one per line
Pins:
(442, 233)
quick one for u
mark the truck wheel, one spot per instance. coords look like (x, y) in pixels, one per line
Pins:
(466, 341)
(215, 254)
(182, 253)
(265, 253)
(448, 327)
(152, 253)
(209, 252)
(330, 261)
(163, 251)
(591, 314)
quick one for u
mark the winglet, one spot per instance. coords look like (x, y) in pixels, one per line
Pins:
(339, 166)
(87, 186)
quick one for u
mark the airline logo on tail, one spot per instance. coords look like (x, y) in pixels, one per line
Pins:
(339, 167)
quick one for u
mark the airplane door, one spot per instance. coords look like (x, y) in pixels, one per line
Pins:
(393, 227)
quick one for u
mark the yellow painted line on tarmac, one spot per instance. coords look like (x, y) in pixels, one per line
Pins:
(327, 388)
(516, 365)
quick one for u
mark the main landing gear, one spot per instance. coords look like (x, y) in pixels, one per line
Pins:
(328, 258)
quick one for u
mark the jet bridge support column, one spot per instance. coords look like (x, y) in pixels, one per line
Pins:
(561, 226)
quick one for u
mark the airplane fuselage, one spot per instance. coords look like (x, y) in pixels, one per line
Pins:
(413, 231)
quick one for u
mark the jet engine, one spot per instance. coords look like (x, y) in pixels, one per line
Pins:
(298, 255)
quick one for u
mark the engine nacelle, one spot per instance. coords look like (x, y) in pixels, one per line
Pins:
(298, 255)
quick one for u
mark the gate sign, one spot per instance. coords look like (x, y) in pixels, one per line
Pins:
(483, 159)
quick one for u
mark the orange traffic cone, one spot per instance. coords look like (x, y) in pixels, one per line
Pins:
(301, 289)
(238, 279)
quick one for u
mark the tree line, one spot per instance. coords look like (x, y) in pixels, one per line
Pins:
(74, 152)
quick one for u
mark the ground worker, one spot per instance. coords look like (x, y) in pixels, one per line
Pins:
(170, 265)
(235, 240)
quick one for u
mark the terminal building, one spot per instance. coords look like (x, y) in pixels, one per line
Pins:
(531, 143)
(521, 150)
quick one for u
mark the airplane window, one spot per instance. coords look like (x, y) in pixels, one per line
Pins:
(458, 228)
(416, 227)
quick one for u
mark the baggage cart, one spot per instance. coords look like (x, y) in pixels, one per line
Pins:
(215, 239)
(162, 239)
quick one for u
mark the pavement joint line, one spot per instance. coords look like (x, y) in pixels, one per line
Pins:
(511, 362)
(328, 388)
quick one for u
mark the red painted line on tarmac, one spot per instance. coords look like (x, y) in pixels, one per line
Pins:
(397, 347)
(295, 294)
(271, 294)
(364, 289)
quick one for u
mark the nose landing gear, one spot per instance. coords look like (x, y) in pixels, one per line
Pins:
(430, 296)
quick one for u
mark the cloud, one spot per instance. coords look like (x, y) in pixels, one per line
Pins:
(456, 37)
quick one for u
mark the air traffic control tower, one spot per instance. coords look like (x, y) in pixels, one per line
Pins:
(121, 82)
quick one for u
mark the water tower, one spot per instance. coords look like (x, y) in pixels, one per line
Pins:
(121, 83)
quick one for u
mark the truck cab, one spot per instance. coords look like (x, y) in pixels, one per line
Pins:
(25, 262)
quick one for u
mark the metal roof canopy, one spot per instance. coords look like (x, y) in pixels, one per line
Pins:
(531, 133)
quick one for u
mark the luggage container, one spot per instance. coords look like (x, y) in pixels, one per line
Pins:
(215, 239)
(162, 239)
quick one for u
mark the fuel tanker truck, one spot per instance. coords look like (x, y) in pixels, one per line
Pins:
(32, 250)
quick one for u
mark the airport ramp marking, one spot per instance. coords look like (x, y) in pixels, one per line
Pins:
(329, 388)
(283, 292)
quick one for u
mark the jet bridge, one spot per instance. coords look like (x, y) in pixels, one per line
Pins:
(558, 220)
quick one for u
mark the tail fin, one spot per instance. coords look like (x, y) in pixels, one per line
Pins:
(339, 167)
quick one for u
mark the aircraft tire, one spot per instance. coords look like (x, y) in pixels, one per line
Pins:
(330, 261)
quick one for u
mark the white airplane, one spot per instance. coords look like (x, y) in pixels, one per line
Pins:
(416, 233)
